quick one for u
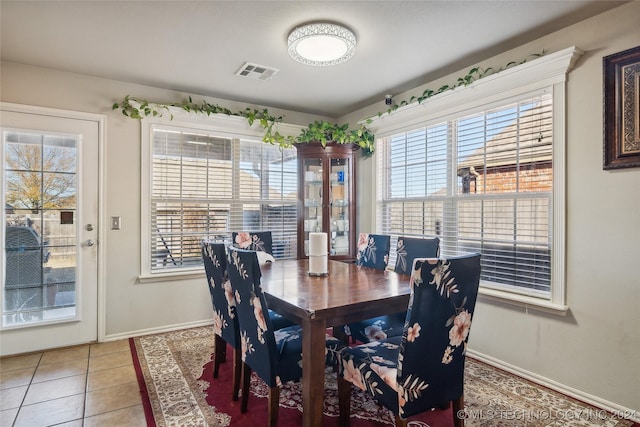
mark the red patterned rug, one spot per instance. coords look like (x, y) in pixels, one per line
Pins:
(175, 375)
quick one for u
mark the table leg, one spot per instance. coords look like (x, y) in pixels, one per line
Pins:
(313, 365)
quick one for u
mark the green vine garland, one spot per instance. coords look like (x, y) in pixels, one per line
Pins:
(318, 131)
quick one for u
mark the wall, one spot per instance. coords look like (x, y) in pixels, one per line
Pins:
(594, 350)
(131, 307)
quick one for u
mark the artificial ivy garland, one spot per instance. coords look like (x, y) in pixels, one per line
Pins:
(319, 131)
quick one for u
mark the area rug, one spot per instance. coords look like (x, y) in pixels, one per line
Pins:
(175, 376)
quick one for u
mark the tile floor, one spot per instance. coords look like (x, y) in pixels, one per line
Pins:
(88, 385)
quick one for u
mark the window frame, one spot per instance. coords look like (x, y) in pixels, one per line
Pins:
(233, 127)
(547, 73)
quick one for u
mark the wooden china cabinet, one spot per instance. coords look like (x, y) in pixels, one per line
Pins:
(326, 197)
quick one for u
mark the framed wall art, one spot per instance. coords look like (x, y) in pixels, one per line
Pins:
(621, 72)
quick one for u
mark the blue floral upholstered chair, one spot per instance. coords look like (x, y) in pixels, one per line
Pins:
(410, 248)
(373, 250)
(225, 323)
(255, 241)
(260, 241)
(381, 327)
(424, 368)
(275, 356)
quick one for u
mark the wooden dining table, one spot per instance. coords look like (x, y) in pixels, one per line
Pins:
(347, 294)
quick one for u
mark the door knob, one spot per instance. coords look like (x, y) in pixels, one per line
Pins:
(89, 243)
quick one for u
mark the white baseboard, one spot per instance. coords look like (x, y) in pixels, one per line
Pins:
(169, 328)
(618, 410)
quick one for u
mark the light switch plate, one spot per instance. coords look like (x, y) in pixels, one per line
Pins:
(115, 223)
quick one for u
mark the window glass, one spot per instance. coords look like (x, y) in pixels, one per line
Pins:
(481, 182)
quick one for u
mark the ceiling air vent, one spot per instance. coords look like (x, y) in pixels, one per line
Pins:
(256, 72)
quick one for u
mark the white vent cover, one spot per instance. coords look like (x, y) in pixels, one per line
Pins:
(256, 72)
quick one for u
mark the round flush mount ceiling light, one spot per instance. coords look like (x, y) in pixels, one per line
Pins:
(321, 44)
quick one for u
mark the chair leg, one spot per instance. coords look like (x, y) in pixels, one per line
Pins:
(274, 404)
(458, 407)
(400, 422)
(246, 381)
(237, 373)
(219, 354)
(344, 402)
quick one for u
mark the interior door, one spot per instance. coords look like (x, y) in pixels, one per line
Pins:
(49, 241)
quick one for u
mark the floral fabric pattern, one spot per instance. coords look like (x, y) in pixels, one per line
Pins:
(274, 355)
(224, 315)
(407, 249)
(401, 372)
(410, 248)
(259, 241)
(373, 251)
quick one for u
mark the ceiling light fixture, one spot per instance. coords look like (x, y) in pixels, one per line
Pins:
(321, 44)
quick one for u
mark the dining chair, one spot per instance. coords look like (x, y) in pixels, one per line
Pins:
(410, 248)
(407, 249)
(260, 241)
(373, 250)
(274, 355)
(225, 323)
(253, 240)
(424, 368)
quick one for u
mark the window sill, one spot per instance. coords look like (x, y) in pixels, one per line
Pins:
(492, 295)
(171, 276)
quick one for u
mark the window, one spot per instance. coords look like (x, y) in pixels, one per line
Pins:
(482, 168)
(205, 184)
(481, 183)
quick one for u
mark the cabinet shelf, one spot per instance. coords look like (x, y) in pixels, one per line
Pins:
(326, 190)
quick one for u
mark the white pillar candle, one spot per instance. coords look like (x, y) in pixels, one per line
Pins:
(317, 244)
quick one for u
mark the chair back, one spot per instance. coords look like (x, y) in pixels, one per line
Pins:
(432, 353)
(410, 248)
(254, 241)
(256, 331)
(225, 322)
(373, 250)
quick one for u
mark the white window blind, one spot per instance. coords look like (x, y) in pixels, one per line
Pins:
(481, 181)
(205, 186)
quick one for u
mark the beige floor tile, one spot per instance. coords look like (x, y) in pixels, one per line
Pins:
(12, 397)
(111, 377)
(108, 361)
(16, 378)
(112, 398)
(131, 416)
(7, 417)
(65, 354)
(74, 423)
(55, 389)
(100, 349)
(51, 412)
(19, 362)
(60, 370)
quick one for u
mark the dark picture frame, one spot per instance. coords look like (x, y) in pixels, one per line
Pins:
(621, 72)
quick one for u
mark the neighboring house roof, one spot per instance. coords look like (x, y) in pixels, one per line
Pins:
(527, 139)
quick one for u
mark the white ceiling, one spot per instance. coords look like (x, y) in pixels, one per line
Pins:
(197, 46)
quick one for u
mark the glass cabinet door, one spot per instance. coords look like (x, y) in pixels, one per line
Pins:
(313, 180)
(339, 185)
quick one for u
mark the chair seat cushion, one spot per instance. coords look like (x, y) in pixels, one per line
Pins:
(289, 345)
(278, 321)
(373, 367)
(377, 328)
